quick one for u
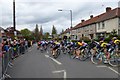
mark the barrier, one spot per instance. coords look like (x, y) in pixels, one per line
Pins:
(0, 64)
(7, 59)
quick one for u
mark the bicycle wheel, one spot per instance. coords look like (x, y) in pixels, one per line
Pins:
(65, 51)
(95, 59)
(57, 53)
(71, 53)
(114, 61)
(83, 55)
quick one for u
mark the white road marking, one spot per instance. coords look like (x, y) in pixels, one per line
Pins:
(109, 68)
(30, 50)
(114, 70)
(47, 52)
(59, 63)
(65, 74)
(47, 56)
(101, 66)
(58, 71)
(64, 71)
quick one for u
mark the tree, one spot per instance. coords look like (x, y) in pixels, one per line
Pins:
(54, 31)
(36, 33)
(62, 30)
(41, 32)
(114, 32)
(26, 33)
(46, 35)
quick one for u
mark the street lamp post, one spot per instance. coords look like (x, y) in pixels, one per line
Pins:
(70, 14)
(71, 17)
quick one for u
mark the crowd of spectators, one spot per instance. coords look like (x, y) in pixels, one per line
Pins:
(12, 49)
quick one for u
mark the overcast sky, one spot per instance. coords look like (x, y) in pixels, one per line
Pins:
(45, 12)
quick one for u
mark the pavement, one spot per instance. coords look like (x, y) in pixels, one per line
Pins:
(34, 64)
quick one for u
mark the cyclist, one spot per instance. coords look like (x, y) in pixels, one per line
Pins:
(39, 44)
(56, 45)
(104, 48)
(116, 43)
(80, 46)
(42, 44)
(93, 46)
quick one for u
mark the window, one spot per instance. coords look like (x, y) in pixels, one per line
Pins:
(98, 26)
(119, 22)
(103, 25)
(118, 31)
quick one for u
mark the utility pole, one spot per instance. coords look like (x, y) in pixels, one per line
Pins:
(14, 21)
(14, 24)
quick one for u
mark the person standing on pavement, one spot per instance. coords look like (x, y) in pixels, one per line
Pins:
(1, 49)
(26, 44)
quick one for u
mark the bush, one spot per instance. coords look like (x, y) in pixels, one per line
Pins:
(74, 41)
(119, 37)
(108, 39)
(86, 39)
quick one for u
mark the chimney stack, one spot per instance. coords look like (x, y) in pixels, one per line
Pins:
(108, 9)
(82, 20)
(91, 16)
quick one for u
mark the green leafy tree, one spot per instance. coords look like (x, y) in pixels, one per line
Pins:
(46, 35)
(41, 32)
(114, 32)
(36, 33)
(54, 31)
(62, 30)
(26, 33)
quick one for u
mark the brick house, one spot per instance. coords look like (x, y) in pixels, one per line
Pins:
(99, 25)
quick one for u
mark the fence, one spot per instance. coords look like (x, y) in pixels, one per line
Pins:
(7, 59)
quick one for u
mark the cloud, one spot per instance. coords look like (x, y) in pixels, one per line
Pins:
(45, 12)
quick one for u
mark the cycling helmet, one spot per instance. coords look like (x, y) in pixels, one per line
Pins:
(114, 38)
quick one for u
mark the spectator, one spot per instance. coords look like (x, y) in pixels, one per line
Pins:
(1, 49)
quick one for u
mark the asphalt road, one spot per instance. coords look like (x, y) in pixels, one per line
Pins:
(34, 64)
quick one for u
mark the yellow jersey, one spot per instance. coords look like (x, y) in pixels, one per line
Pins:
(104, 44)
(117, 41)
(80, 43)
(56, 42)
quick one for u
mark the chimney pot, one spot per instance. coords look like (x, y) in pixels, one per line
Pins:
(108, 9)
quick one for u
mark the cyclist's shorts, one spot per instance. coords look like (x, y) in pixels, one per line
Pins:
(94, 48)
(82, 47)
(38, 44)
(55, 47)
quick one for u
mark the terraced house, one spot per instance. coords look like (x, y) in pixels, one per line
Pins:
(97, 26)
